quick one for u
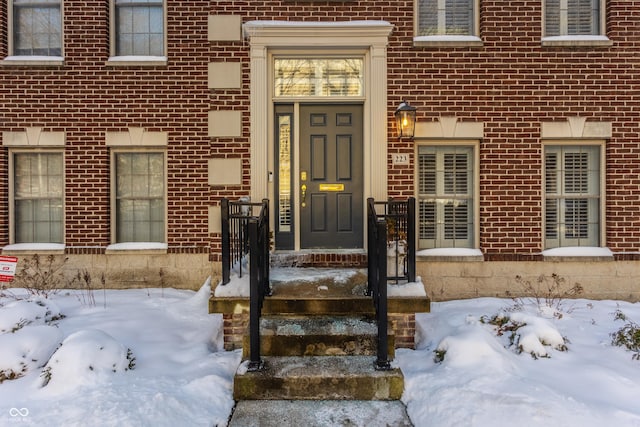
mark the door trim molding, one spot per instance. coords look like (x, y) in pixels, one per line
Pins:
(371, 36)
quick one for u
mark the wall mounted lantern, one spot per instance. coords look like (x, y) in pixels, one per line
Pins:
(405, 120)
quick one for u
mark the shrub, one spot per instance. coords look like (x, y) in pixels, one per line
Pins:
(547, 293)
(41, 277)
(627, 336)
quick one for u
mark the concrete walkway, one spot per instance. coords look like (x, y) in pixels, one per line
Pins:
(320, 413)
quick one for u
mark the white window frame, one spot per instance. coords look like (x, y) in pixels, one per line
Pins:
(566, 39)
(13, 220)
(597, 239)
(449, 146)
(442, 38)
(116, 59)
(114, 198)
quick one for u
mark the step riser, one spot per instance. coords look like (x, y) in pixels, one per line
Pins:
(318, 345)
(318, 378)
(353, 388)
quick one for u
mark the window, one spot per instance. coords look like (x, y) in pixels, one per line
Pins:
(139, 28)
(139, 197)
(572, 187)
(37, 28)
(572, 18)
(445, 197)
(323, 77)
(38, 188)
(446, 17)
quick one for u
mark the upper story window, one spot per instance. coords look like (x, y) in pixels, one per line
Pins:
(37, 193)
(323, 77)
(446, 17)
(446, 197)
(572, 201)
(36, 28)
(139, 28)
(573, 18)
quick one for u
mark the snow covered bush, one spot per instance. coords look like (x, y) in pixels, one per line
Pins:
(526, 333)
(18, 314)
(26, 350)
(627, 336)
(85, 357)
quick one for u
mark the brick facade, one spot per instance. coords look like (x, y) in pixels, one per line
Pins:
(511, 83)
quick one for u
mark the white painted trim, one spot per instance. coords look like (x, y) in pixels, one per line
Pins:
(370, 37)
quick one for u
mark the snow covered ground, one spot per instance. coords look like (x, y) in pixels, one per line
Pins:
(153, 357)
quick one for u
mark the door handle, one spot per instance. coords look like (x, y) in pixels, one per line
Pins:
(303, 188)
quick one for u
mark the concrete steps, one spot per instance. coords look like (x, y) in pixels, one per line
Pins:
(320, 413)
(318, 378)
(319, 336)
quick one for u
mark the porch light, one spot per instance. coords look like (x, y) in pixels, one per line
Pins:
(405, 120)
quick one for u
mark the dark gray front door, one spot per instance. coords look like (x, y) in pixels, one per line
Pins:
(331, 176)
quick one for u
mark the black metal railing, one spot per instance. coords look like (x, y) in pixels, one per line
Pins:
(399, 216)
(390, 237)
(245, 245)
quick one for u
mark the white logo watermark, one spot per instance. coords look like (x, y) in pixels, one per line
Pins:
(19, 412)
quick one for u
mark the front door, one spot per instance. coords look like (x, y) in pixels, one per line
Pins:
(331, 176)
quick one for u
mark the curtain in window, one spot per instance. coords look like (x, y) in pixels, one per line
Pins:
(140, 200)
(37, 28)
(38, 197)
(139, 28)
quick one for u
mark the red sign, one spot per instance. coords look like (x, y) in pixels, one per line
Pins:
(7, 267)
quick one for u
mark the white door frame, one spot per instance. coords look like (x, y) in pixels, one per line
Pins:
(370, 37)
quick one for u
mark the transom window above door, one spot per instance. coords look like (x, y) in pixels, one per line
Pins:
(318, 77)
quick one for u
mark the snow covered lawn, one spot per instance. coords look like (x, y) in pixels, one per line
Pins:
(152, 357)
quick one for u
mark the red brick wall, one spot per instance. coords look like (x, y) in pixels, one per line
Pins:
(511, 83)
(86, 98)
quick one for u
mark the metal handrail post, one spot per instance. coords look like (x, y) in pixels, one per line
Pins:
(226, 241)
(382, 362)
(411, 239)
(255, 362)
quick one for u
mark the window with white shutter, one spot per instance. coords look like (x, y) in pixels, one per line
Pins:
(446, 17)
(572, 189)
(445, 197)
(573, 17)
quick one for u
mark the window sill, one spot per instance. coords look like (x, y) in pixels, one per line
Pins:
(450, 255)
(137, 247)
(447, 41)
(32, 61)
(142, 61)
(33, 248)
(577, 41)
(578, 253)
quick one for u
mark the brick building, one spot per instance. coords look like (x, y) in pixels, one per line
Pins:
(124, 123)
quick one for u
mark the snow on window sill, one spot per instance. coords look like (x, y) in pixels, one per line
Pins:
(451, 254)
(32, 60)
(578, 253)
(126, 61)
(445, 40)
(577, 41)
(137, 247)
(33, 248)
